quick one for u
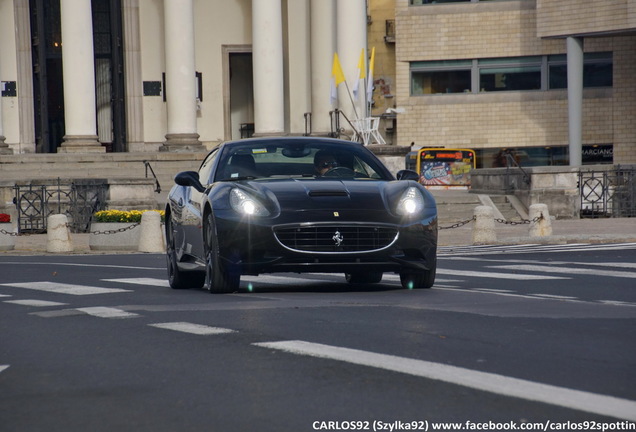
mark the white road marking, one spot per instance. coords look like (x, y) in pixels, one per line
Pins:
(483, 381)
(556, 297)
(495, 275)
(141, 281)
(107, 312)
(269, 279)
(197, 329)
(568, 270)
(5, 295)
(3, 367)
(62, 288)
(35, 303)
(494, 291)
(82, 265)
(617, 303)
(627, 265)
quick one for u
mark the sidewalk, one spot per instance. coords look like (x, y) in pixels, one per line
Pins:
(614, 230)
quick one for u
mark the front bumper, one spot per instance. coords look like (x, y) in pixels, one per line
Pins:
(252, 247)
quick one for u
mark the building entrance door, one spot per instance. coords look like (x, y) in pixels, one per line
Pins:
(46, 36)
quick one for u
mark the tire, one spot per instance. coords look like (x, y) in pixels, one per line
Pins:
(218, 278)
(177, 278)
(363, 278)
(416, 280)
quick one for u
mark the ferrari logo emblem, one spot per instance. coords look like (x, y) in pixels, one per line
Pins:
(338, 238)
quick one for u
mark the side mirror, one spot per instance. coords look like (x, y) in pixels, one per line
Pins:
(189, 178)
(408, 175)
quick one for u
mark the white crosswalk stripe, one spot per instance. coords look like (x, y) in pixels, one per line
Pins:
(3, 367)
(35, 303)
(107, 312)
(141, 281)
(62, 288)
(496, 275)
(197, 329)
(567, 270)
(529, 248)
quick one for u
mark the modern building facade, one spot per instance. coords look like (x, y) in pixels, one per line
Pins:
(172, 75)
(545, 79)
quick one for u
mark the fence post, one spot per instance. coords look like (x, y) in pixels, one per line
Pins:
(540, 223)
(484, 227)
(58, 237)
(151, 234)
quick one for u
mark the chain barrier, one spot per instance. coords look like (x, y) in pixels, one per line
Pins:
(458, 224)
(502, 221)
(117, 231)
(12, 234)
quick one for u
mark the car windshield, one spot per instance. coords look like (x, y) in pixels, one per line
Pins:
(271, 159)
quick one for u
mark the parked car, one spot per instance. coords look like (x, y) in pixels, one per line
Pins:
(298, 204)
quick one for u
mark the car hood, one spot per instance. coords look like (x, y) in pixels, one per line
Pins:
(346, 197)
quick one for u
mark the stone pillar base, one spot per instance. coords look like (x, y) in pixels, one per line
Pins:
(4, 147)
(182, 142)
(81, 144)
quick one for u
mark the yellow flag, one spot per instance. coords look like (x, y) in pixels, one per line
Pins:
(336, 70)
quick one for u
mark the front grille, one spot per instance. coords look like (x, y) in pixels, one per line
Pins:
(336, 238)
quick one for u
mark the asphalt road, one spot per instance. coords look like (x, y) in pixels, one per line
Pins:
(509, 336)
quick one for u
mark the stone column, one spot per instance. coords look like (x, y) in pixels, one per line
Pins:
(180, 77)
(575, 99)
(351, 29)
(267, 62)
(79, 78)
(4, 148)
(134, 81)
(323, 45)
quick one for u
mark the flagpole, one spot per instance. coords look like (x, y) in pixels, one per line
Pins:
(351, 99)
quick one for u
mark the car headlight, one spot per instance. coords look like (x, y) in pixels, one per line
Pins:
(245, 204)
(411, 202)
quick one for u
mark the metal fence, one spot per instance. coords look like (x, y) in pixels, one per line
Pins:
(78, 200)
(608, 193)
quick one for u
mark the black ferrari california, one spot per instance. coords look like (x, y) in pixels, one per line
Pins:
(298, 204)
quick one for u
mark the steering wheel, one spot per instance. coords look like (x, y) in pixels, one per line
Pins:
(339, 171)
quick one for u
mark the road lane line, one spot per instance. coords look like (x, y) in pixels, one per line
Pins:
(62, 288)
(107, 312)
(3, 367)
(35, 303)
(197, 329)
(568, 270)
(483, 381)
(495, 275)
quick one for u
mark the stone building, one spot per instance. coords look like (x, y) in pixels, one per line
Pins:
(542, 78)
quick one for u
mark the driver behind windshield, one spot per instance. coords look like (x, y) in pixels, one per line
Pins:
(324, 161)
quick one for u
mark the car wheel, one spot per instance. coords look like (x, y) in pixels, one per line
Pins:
(178, 279)
(218, 278)
(415, 280)
(363, 278)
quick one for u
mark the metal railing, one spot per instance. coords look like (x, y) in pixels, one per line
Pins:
(77, 199)
(608, 193)
(148, 167)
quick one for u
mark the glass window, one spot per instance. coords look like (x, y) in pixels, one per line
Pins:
(451, 76)
(597, 70)
(506, 74)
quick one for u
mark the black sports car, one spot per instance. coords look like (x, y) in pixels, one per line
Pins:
(298, 204)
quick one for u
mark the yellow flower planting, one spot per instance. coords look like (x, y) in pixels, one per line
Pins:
(123, 216)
